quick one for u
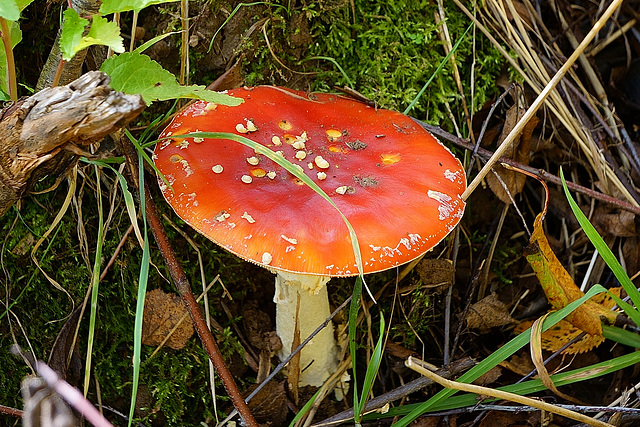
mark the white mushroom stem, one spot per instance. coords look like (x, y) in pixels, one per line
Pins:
(318, 358)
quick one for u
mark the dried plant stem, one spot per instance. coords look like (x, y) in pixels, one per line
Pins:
(486, 391)
(184, 49)
(184, 289)
(517, 129)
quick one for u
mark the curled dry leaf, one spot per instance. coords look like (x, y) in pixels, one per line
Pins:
(488, 313)
(560, 288)
(162, 312)
(519, 151)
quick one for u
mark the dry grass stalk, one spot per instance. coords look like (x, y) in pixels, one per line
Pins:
(518, 27)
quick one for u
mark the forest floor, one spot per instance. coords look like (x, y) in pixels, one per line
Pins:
(467, 298)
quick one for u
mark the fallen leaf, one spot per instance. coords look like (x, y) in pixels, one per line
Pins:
(519, 151)
(269, 406)
(436, 273)
(615, 222)
(560, 288)
(563, 332)
(519, 363)
(162, 312)
(488, 313)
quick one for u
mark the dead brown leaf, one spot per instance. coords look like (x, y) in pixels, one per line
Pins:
(488, 313)
(615, 222)
(436, 273)
(554, 338)
(269, 406)
(519, 151)
(162, 312)
(519, 363)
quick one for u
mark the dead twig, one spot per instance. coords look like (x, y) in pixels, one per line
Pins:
(549, 177)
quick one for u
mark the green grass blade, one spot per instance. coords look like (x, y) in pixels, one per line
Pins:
(354, 308)
(95, 282)
(128, 197)
(621, 336)
(307, 406)
(237, 8)
(435, 73)
(142, 291)
(334, 62)
(628, 308)
(372, 372)
(602, 247)
(526, 388)
(146, 45)
(496, 357)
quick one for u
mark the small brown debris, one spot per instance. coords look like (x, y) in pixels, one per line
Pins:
(436, 273)
(162, 312)
(488, 313)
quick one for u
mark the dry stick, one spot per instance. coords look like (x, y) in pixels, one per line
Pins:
(184, 289)
(449, 370)
(517, 129)
(499, 394)
(541, 173)
(7, 410)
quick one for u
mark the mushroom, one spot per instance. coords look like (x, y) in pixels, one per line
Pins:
(395, 183)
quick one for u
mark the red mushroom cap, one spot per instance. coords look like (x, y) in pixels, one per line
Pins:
(396, 184)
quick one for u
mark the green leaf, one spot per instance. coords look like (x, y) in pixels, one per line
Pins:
(370, 376)
(135, 73)
(113, 6)
(72, 29)
(102, 32)
(9, 10)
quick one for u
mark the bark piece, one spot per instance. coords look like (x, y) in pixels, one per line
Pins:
(34, 130)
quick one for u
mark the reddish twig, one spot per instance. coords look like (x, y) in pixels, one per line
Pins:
(541, 173)
(7, 410)
(184, 289)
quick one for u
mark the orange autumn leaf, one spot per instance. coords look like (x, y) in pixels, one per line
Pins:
(560, 288)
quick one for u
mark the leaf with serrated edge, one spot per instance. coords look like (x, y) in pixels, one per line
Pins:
(23, 3)
(135, 73)
(72, 29)
(113, 6)
(102, 32)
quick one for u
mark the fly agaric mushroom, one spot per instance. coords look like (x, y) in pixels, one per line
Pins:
(396, 184)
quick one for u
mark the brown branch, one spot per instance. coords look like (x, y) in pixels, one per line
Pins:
(541, 173)
(184, 289)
